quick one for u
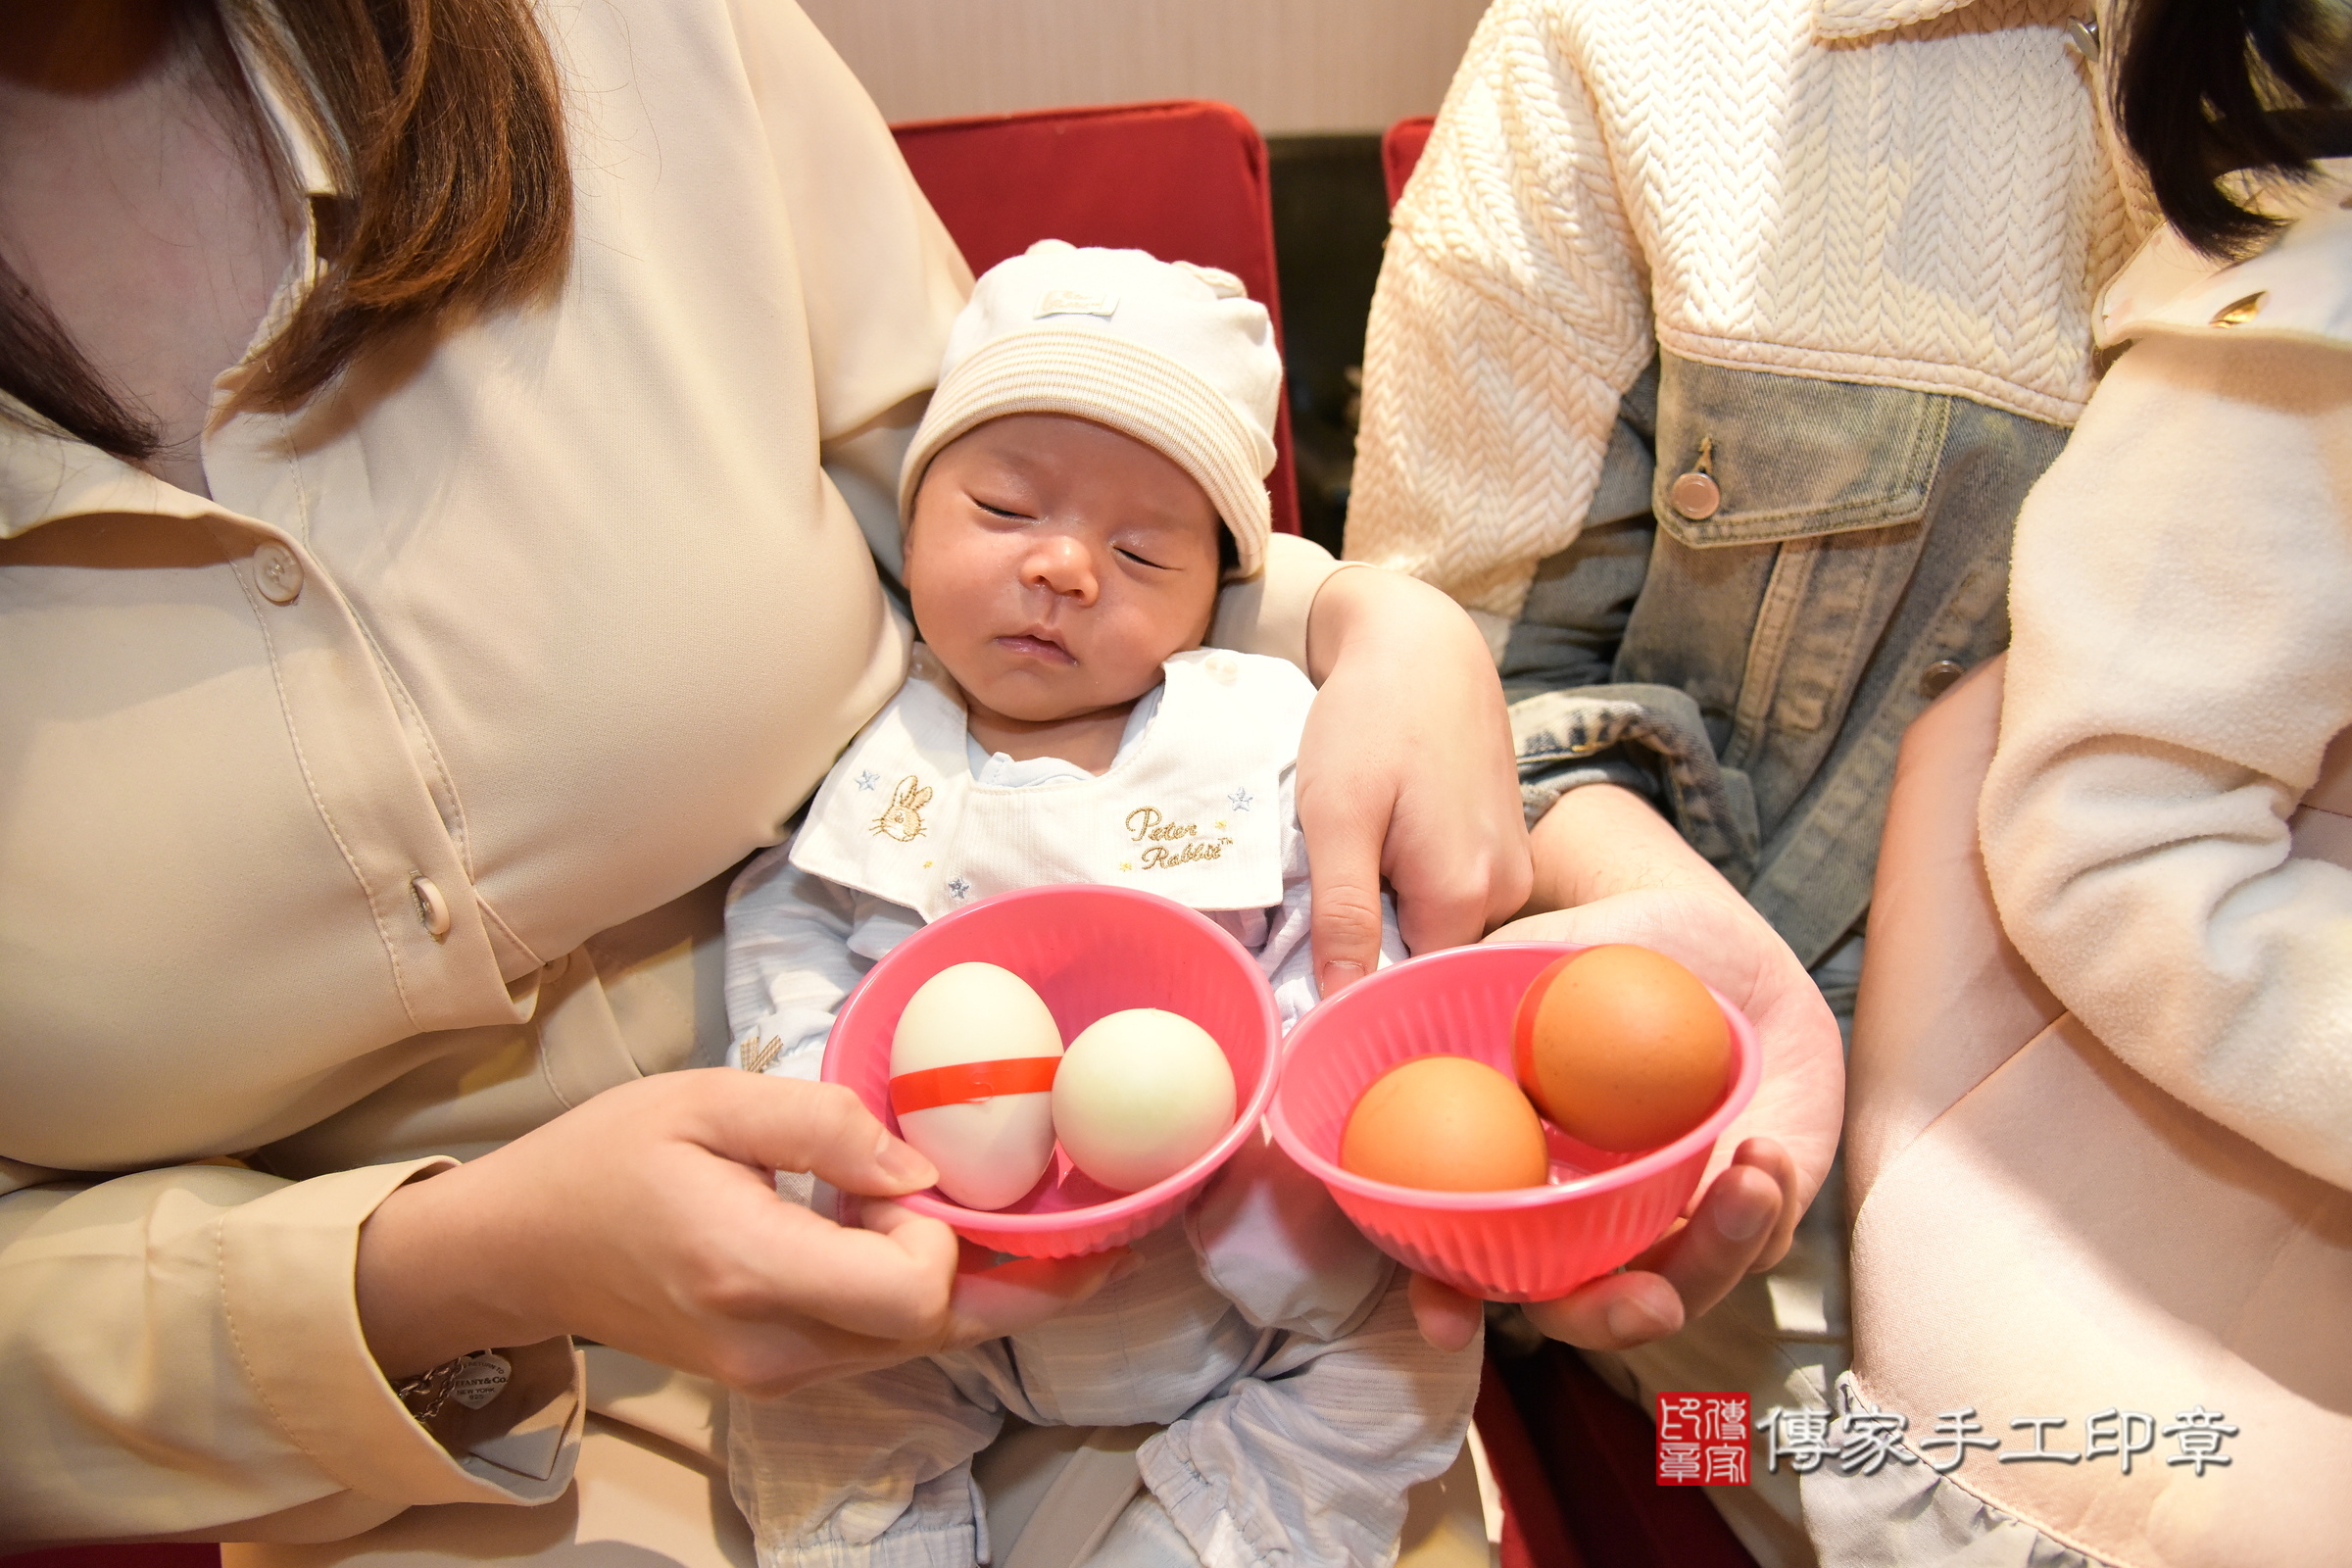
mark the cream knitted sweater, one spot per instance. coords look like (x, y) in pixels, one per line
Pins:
(1917, 193)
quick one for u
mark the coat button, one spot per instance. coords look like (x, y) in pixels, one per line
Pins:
(1697, 496)
(279, 573)
(432, 910)
(1937, 678)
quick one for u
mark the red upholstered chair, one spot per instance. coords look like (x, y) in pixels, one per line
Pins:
(1576, 1464)
(1185, 180)
(1401, 149)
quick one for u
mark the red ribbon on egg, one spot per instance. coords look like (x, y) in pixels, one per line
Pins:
(964, 1081)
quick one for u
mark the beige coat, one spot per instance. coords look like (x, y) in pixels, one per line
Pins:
(376, 809)
(2106, 1168)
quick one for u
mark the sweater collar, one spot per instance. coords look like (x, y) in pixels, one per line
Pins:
(1859, 19)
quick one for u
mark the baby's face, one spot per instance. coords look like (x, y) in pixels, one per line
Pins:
(1055, 563)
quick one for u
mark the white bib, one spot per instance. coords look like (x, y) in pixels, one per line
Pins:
(1192, 811)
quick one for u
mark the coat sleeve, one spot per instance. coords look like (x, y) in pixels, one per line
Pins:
(1512, 311)
(185, 1345)
(2182, 602)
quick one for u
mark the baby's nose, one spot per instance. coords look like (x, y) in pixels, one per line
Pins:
(1064, 564)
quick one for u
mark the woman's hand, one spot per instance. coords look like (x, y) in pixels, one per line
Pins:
(1626, 876)
(1405, 771)
(648, 1219)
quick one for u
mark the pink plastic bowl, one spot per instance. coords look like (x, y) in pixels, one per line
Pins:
(1087, 951)
(1524, 1245)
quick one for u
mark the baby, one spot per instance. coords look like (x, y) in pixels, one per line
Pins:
(1088, 471)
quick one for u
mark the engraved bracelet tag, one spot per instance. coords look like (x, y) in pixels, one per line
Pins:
(480, 1380)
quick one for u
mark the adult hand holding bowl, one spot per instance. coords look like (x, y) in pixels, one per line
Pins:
(1598, 1208)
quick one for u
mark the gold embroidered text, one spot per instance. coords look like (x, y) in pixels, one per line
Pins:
(1163, 857)
(1146, 825)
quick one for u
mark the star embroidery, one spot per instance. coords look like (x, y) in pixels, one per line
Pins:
(1240, 800)
(1220, 825)
(958, 889)
(1126, 866)
(868, 780)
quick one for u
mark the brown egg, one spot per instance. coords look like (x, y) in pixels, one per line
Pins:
(1446, 1122)
(1622, 1047)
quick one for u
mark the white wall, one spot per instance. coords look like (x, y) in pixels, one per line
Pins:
(1292, 66)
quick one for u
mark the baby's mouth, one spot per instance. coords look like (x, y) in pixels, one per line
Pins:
(1038, 644)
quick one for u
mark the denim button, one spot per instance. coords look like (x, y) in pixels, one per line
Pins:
(1697, 496)
(1937, 678)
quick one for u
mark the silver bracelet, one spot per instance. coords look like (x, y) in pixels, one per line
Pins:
(472, 1381)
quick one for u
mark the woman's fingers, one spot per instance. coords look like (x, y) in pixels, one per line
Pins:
(988, 1300)
(1446, 1317)
(742, 1256)
(785, 1124)
(1728, 1236)
(1726, 1239)
(1011, 1298)
(1615, 1312)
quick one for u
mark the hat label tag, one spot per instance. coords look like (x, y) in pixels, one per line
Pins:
(1077, 302)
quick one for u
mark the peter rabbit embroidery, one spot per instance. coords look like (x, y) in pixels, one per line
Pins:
(902, 819)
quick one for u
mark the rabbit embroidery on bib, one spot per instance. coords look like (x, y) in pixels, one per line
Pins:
(902, 819)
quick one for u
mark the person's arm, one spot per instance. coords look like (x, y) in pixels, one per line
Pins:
(1511, 315)
(2182, 607)
(179, 1354)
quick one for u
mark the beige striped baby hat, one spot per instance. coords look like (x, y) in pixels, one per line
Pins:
(1175, 356)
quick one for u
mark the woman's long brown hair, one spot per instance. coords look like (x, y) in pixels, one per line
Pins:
(442, 123)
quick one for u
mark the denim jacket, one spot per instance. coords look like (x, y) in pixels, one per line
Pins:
(1753, 670)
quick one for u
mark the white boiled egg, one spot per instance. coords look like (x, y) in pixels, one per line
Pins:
(987, 1151)
(1141, 1095)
